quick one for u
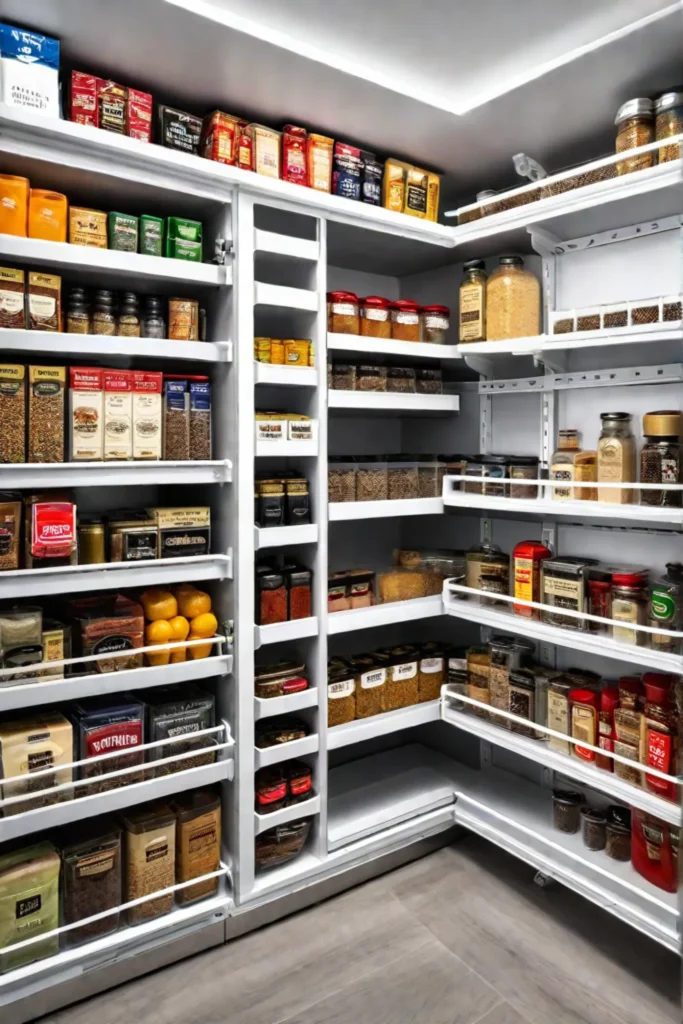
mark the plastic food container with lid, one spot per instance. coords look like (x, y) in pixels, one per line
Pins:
(375, 317)
(279, 680)
(403, 478)
(403, 677)
(371, 675)
(435, 321)
(371, 479)
(343, 314)
(198, 843)
(521, 468)
(405, 320)
(341, 478)
(281, 844)
(513, 301)
(91, 880)
(150, 848)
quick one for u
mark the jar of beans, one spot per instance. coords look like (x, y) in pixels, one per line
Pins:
(428, 381)
(403, 478)
(341, 479)
(371, 378)
(371, 479)
(635, 123)
(375, 318)
(343, 377)
(405, 320)
(343, 313)
(669, 122)
(566, 810)
(401, 378)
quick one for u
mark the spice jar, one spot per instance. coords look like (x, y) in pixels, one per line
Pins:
(599, 598)
(564, 584)
(405, 320)
(660, 457)
(343, 314)
(629, 605)
(527, 558)
(495, 467)
(432, 667)
(669, 122)
(513, 301)
(299, 582)
(198, 843)
(77, 315)
(489, 560)
(153, 324)
(618, 836)
(403, 677)
(341, 696)
(375, 321)
(507, 655)
(616, 457)
(593, 828)
(361, 584)
(666, 609)
(559, 713)
(103, 317)
(371, 674)
(584, 712)
(522, 467)
(566, 811)
(129, 320)
(609, 702)
(271, 598)
(435, 321)
(473, 302)
(635, 127)
(338, 598)
(372, 482)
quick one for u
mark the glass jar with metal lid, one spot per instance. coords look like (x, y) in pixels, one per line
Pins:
(666, 609)
(629, 605)
(616, 457)
(487, 559)
(473, 302)
(669, 122)
(435, 321)
(506, 655)
(564, 584)
(660, 457)
(520, 468)
(635, 123)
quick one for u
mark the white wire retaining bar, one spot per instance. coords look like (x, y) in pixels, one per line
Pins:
(497, 481)
(119, 567)
(451, 695)
(102, 915)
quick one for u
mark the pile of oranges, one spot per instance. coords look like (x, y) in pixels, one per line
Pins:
(181, 613)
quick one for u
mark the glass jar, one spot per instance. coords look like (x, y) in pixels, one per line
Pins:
(566, 811)
(129, 319)
(635, 123)
(473, 302)
(153, 324)
(599, 599)
(513, 301)
(669, 122)
(490, 560)
(341, 479)
(569, 462)
(629, 605)
(344, 377)
(375, 321)
(666, 609)
(428, 381)
(564, 584)
(495, 467)
(401, 379)
(402, 478)
(660, 457)
(103, 317)
(371, 378)
(371, 479)
(523, 468)
(435, 324)
(593, 828)
(343, 313)
(77, 314)
(616, 457)
(405, 320)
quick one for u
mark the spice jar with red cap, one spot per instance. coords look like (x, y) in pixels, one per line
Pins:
(527, 558)
(405, 320)
(584, 706)
(609, 702)
(660, 724)
(435, 324)
(375, 319)
(343, 315)
(629, 605)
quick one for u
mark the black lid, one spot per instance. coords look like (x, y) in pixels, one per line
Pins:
(104, 297)
(510, 261)
(618, 815)
(614, 417)
(152, 301)
(494, 460)
(674, 571)
(522, 460)
(474, 265)
(567, 796)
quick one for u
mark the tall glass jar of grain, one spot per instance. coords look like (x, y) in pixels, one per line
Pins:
(473, 302)
(669, 122)
(513, 301)
(635, 123)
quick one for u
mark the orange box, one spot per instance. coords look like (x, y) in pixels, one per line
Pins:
(14, 194)
(47, 215)
(219, 137)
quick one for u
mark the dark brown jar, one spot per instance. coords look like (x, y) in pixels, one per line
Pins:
(593, 826)
(660, 457)
(566, 810)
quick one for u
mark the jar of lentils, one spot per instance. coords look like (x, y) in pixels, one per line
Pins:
(405, 320)
(669, 122)
(341, 479)
(343, 314)
(371, 479)
(635, 123)
(375, 320)
(403, 478)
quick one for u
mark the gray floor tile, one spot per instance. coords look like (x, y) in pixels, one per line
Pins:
(503, 1014)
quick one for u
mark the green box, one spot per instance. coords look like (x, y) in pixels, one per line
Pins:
(181, 227)
(179, 249)
(122, 229)
(151, 235)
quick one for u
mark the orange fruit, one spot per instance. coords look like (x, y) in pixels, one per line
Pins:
(158, 604)
(193, 602)
(205, 624)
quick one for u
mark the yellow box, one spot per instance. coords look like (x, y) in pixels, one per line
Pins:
(88, 227)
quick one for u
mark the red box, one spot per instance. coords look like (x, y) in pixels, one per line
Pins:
(140, 115)
(84, 107)
(293, 163)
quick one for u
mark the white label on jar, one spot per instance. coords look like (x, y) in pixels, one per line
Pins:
(375, 314)
(343, 689)
(376, 677)
(406, 318)
(431, 665)
(406, 671)
(435, 322)
(344, 309)
(457, 664)
(42, 305)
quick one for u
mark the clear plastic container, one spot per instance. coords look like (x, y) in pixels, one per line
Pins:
(281, 844)
(403, 479)
(372, 479)
(428, 478)
(341, 479)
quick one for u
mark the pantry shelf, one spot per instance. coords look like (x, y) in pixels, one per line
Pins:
(287, 449)
(53, 691)
(91, 345)
(278, 632)
(339, 511)
(382, 725)
(287, 376)
(122, 265)
(71, 579)
(545, 344)
(69, 811)
(279, 536)
(571, 767)
(385, 614)
(381, 401)
(267, 707)
(265, 756)
(282, 297)
(382, 346)
(286, 245)
(262, 822)
(578, 640)
(115, 474)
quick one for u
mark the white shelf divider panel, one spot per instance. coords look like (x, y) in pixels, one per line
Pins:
(285, 705)
(282, 297)
(383, 725)
(53, 691)
(265, 756)
(279, 536)
(278, 632)
(364, 401)
(572, 767)
(339, 511)
(115, 474)
(385, 614)
(87, 345)
(389, 347)
(517, 816)
(123, 264)
(286, 245)
(71, 579)
(305, 809)
(287, 449)
(285, 376)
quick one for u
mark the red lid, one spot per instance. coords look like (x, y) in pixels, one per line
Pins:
(609, 698)
(443, 310)
(183, 376)
(375, 300)
(658, 687)
(579, 696)
(407, 305)
(342, 297)
(531, 549)
(599, 584)
(637, 578)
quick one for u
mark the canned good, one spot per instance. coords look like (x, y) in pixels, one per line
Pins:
(526, 569)
(565, 585)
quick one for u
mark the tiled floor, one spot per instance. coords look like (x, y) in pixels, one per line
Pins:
(460, 937)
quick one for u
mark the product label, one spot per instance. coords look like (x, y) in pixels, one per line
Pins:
(343, 309)
(270, 430)
(625, 611)
(371, 313)
(659, 750)
(377, 677)
(108, 738)
(43, 306)
(406, 318)
(11, 302)
(431, 665)
(53, 531)
(299, 786)
(562, 471)
(345, 688)
(663, 607)
(584, 721)
(30, 905)
(558, 719)
(527, 573)
(568, 592)
(406, 671)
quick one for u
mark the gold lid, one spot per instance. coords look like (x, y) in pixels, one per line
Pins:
(663, 423)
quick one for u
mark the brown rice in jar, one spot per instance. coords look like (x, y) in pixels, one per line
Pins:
(635, 123)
